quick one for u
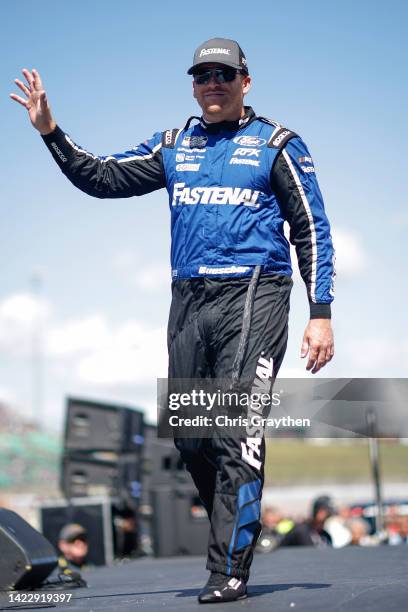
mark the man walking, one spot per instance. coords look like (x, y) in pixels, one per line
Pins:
(233, 179)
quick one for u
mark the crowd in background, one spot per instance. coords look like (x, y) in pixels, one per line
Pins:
(330, 526)
(326, 525)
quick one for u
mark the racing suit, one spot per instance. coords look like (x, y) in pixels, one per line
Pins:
(231, 186)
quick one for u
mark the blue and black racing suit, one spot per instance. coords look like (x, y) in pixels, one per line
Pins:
(231, 186)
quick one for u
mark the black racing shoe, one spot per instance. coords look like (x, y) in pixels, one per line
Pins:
(222, 588)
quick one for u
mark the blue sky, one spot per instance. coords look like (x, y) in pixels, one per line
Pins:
(114, 74)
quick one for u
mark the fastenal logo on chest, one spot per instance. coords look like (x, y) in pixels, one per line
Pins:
(214, 195)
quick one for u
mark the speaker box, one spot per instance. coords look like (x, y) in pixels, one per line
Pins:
(94, 514)
(102, 474)
(92, 426)
(161, 461)
(188, 532)
(26, 558)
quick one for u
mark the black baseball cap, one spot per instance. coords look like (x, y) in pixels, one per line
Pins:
(72, 532)
(324, 502)
(220, 51)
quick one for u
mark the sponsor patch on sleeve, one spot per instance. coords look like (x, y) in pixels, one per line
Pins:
(187, 167)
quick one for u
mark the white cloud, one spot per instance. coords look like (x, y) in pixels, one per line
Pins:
(7, 396)
(153, 278)
(351, 258)
(79, 335)
(136, 355)
(150, 277)
(21, 317)
(91, 349)
(23, 309)
(104, 354)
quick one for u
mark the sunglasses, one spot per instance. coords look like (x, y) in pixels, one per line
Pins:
(221, 75)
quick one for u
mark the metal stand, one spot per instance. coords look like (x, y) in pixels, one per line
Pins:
(375, 468)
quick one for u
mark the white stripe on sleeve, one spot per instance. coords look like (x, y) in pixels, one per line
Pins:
(311, 224)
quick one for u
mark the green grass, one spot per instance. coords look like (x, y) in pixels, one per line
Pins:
(291, 462)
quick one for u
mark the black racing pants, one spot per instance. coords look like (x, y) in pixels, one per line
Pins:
(203, 336)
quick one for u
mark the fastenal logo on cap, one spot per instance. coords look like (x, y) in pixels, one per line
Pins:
(217, 50)
(220, 51)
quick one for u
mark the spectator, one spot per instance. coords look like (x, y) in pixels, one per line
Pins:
(271, 517)
(126, 533)
(404, 528)
(311, 532)
(336, 526)
(73, 543)
(274, 527)
(359, 529)
(393, 526)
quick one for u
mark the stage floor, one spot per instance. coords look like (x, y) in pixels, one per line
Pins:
(365, 579)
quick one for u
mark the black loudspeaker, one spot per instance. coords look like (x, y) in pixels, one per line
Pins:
(26, 557)
(102, 474)
(161, 461)
(188, 532)
(92, 426)
(95, 515)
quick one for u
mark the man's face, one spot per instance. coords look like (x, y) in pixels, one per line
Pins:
(221, 101)
(75, 551)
